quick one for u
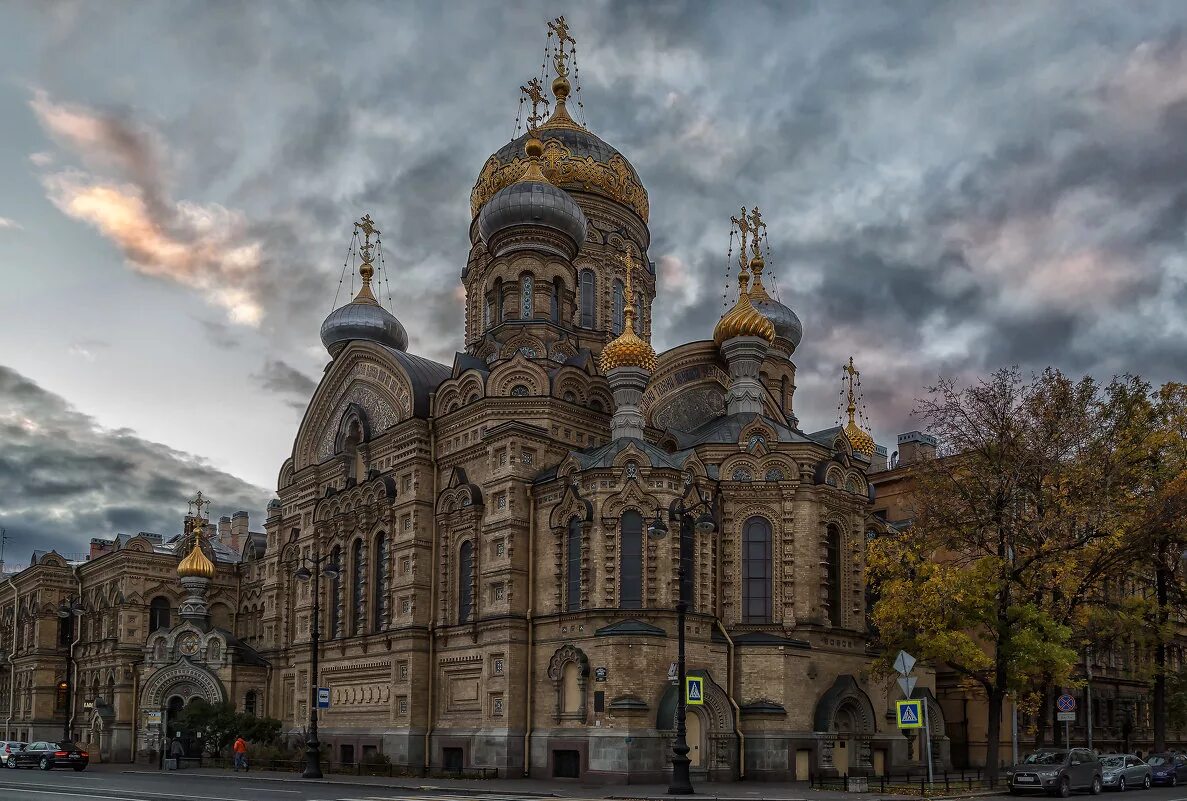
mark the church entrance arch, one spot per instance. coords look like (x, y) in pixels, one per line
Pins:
(845, 724)
(709, 728)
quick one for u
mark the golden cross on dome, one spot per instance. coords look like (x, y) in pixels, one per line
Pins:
(534, 91)
(198, 503)
(367, 226)
(851, 375)
(744, 226)
(758, 227)
(561, 29)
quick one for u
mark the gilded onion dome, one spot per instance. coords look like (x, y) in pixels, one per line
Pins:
(743, 320)
(197, 564)
(859, 438)
(363, 318)
(627, 349)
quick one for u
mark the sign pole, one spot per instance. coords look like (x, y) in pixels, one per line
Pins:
(927, 734)
(1067, 734)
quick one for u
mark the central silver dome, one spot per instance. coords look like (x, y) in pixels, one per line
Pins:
(362, 320)
(787, 324)
(531, 204)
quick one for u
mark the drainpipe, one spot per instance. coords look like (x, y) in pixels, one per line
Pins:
(527, 734)
(11, 663)
(73, 666)
(729, 693)
(432, 598)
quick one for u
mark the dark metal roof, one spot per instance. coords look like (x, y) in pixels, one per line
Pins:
(579, 142)
(532, 203)
(426, 376)
(728, 429)
(604, 455)
(366, 321)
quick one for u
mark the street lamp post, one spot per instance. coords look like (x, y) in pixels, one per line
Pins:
(71, 610)
(684, 511)
(321, 566)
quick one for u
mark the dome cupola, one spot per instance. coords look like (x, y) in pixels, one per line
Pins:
(789, 331)
(627, 349)
(858, 437)
(363, 318)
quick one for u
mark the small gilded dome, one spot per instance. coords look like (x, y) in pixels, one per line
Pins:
(861, 441)
(743, 320)
(362, 320)
(197, 564)
(627, 350)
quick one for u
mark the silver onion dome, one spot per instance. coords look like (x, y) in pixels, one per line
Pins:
(787, 324)
(532, 204)
(362, 320)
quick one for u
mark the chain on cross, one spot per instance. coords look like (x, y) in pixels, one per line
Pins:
(534, 92)
(561, 28)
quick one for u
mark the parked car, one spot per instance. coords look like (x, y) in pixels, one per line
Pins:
(1125, 772)
(1168, 768)
(7, 749)
(49, 755)
(1056, 771)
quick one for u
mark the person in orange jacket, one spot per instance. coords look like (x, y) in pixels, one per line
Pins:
(240, 749)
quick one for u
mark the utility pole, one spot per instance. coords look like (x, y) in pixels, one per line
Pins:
(1088, 692)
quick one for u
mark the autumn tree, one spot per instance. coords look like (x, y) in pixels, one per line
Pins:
(981, 580)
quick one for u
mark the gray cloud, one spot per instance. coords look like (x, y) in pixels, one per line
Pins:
(64, 479)
(285, 380)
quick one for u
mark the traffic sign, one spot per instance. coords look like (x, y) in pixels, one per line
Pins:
(672, 674)
(910, 714)
(323, 697)
(907, 684)
(1066, 703)
(694, 690)
(153, 717)
(1065, 717)
(904, 663)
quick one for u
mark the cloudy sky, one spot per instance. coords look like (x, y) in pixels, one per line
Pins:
(950, 188)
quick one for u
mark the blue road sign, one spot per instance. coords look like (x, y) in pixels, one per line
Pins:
(1066, 703)
(694, 690)
(323, 697)
(910, 714)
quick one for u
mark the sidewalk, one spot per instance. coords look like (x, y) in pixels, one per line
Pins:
(541, 788)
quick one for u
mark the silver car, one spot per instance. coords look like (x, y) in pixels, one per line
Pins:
(7, 749)
(1125, 772)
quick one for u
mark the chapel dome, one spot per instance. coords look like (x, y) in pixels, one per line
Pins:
(366, 321)
(530, 204)
(786, 322)
(197, 564)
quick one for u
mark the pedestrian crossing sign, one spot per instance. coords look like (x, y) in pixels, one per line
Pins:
(694, 690)
(910, 714)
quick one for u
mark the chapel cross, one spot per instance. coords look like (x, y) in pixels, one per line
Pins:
(561, 29)
(534, 91)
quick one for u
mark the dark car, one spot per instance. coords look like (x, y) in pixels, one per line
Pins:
(49, 755)
(1056, 771)
(7, 749)
(1168, 768)
(1125, 772)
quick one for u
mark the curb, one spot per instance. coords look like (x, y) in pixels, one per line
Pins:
(393, 786)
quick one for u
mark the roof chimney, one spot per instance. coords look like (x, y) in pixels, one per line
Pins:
(915, 447)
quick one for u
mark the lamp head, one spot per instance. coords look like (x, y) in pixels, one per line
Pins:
(303, 573)
(705, 524)
(658, 528)
(331, 571)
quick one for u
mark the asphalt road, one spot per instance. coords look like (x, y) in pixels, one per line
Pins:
(108, 783)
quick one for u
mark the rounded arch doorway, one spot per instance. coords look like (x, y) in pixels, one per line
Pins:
(694, 736)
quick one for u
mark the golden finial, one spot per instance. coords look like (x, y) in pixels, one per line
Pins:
(627, 349)
(861, 441)
(757, 263)
(560, 84)
(534, 92)
(197, 564)
(743, 319)
(366, 269)
(533, 147)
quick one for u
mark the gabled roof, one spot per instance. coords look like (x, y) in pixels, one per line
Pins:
(728, 430)
(604, 455)
(630, 627)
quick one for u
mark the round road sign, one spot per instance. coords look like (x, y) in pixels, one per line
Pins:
(1066, 703)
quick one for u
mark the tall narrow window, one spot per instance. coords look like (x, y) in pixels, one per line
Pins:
(554, 301)
(619, 306)
(158, 613)
(756, 571)
(630, 570)
(465, 582)
(487, 303)
(335, 610)
(498, 298)
(382, 582)
(834, 575)
(573, 566)
(249, 703)
(588, 299)
(639, 315)
(359, 600)
(525, 297)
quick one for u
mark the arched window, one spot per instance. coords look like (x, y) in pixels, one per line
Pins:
(630, 570)
(335, 605)
(833, 558)
(359, 600)
(249, 702)
(571, 689)
(465, 582)
(619, 306)
(554, 302)
(159, 613)
(756, 571)
(588, 299)
(381, 583)
(497, 297)
(526, 309)
(573, 566)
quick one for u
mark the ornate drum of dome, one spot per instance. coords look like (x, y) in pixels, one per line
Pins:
(368, 321)
(573, 159)
(532, 214)
(787, 324)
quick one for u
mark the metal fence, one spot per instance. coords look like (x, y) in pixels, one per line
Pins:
(363, 768)
(910, 783)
